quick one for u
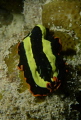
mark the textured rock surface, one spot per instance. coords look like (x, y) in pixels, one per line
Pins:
(16, 102)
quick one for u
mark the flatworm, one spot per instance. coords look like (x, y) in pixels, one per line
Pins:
(40, 60)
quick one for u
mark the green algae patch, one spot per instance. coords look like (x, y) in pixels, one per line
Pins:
(23, 86)
(64, 18)
(40, 99)
(68, 44)
(13, 73)
(65, 14)
(1, 96)
(11, 59)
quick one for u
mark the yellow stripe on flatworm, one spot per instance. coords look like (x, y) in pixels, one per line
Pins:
(29, 55)
(32, 64)
(48, 52)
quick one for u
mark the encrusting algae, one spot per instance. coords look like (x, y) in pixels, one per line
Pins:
(13, 56)
(64, 16)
